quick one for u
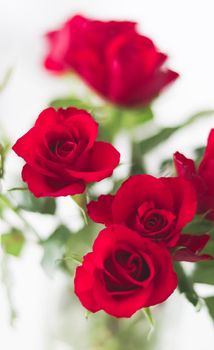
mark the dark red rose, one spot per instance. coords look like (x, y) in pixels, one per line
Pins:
(116, 61)
(156, 208)
(124, 273)
(62, 155)
(189, 248)
(202, 178)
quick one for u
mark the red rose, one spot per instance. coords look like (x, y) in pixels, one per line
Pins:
(156, 208)
(124, 273)
(202, 178)
(62, 155)
(189, 248)
(111, 57)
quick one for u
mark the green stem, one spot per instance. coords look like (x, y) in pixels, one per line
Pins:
(6, 79)
(7, 203)
(137, 160)
(6, 281)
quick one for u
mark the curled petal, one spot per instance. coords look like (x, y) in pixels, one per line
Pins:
(189, 247)
(84, 283)
(97, 164)
(42, 186)
(185, 167)
(185, 201)
(100, 210)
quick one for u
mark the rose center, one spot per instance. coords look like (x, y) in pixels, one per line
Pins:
(152, 221)
(64, 148)
(125, 271)
(135, 265)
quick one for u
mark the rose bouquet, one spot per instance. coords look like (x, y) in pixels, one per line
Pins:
(128, 255)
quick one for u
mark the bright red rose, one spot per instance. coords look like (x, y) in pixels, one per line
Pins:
(62, 155)
(124, 273)
(116, 61)
(202, 178)
(156, 208)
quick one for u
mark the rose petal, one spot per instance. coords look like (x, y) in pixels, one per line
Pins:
(97, 164)
(100, 210)
(42, 186)
(83, 283)
(190, 247)
(136, 190)
(184, 198)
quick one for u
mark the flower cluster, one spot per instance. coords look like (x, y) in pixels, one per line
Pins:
(132, 267)
(131, 263)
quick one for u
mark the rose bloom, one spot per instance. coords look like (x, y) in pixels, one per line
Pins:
(62, 154)
(124, 273)
(157, 208)
(202, 178)
(116, 61)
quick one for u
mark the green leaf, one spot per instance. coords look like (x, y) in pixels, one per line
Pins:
(87, 314)
(65, 102)
(185, 285)
(167, 167)
(148, 314)
(210, 305)
(73, 258)
(13, 242)
(80, 243)
(4, 149)
(78, 259)
(81, 201)
(200, 225)
(17, 189)
(148, 144)
(136, 117)
(54, 248)
(60, 235)
(204, 275)
(164, 134)
(27, 201)
(204, 271)
(138, 166)
(199, 152)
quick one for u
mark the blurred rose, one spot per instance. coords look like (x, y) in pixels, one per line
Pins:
(116, 61)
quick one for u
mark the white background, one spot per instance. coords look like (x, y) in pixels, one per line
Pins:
(185, 30)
